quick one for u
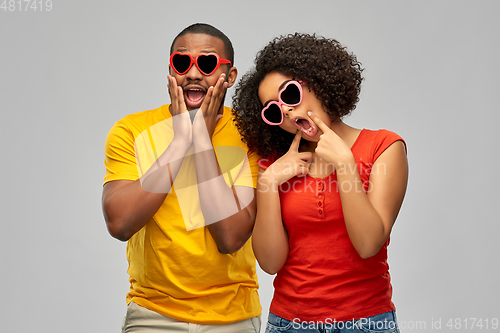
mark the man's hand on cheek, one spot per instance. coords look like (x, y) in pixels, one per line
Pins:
(207, 120)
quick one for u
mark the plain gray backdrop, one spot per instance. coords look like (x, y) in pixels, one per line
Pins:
(432, 76)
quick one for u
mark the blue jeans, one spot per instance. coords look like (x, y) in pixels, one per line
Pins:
(381, 323)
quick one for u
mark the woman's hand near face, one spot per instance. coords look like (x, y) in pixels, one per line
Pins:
(292, 164)
(369, 216)
(330, 146)
(270, 239)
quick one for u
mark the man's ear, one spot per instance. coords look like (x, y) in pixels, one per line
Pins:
(231, 76)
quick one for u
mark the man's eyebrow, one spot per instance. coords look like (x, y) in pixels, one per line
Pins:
(185, 50)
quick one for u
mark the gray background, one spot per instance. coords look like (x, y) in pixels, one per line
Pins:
(432, 70)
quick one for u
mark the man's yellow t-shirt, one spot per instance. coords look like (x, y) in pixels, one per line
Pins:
(175, 267)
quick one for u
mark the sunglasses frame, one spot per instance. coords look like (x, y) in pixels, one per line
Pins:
(220, 61)
(280, 102)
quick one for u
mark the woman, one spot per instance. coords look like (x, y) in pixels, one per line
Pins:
(328, 194)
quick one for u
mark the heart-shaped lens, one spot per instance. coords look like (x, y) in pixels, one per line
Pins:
(291, 95)
(273, 114)
(207, 63)
(181, 63)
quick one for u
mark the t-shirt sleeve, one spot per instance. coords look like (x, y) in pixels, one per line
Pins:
(253, 160)
(384, 140)
(119, 160)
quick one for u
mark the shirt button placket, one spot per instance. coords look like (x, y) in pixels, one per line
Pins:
(321, 198)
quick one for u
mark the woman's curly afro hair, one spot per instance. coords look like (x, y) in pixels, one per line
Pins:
(329, 70)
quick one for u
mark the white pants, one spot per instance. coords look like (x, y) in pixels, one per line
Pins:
(142, 320)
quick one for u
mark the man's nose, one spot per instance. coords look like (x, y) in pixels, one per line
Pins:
(194, 73)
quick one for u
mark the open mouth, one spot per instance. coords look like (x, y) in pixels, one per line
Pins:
(194, 95)
(305, 126)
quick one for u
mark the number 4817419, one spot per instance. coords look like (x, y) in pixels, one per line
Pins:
(26, 5)
(472, 323)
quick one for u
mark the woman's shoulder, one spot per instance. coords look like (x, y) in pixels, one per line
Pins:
(375, 142)
(379, 135)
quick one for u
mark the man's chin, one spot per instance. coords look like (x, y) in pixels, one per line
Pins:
(189, 108)
(193, 106)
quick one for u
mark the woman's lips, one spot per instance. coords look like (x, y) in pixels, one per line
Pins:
(306, 126)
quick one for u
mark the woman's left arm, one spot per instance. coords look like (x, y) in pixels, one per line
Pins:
(369, 216)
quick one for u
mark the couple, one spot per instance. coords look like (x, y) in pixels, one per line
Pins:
(187, 184)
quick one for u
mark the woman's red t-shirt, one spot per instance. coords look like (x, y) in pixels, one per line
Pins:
(324, 277)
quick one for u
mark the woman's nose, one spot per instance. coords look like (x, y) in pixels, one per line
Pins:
(286, 109)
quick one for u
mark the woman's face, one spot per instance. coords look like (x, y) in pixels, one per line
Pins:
(294, 117)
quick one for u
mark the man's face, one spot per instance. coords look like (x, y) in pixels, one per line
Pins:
(195, 84)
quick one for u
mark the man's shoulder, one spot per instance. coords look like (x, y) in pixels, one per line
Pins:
(147, 117)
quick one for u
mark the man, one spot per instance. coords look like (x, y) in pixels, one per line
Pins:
(180, 188)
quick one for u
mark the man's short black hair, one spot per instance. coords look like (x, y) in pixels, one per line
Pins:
(207, 29)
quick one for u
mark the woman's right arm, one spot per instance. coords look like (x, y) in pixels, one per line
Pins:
(270, 238)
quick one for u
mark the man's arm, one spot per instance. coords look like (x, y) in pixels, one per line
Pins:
(232, 207)
(232, 233)
(128, 205)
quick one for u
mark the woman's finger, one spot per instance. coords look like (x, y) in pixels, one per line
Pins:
(322, 126)
(306, 156)
(296, 142)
